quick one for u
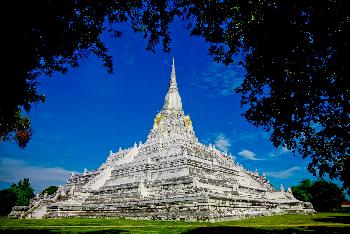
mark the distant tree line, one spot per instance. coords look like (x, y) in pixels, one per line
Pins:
(19, 195)
(325, 196)
(50, 190)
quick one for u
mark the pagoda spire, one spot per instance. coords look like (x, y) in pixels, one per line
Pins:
(173, 84)
(172, 98)
(171, 122)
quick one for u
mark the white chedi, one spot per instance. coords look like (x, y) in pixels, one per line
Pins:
(170, 176)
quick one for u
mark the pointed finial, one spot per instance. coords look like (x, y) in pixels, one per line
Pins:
(282, 188)
(172, 98)
(173, 75)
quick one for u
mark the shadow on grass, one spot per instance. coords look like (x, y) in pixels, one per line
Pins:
(47, 231)
(213, 230)
(334, 219)
(248, 230)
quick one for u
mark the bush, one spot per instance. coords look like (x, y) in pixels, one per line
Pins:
(324, 196)
(7, 201)
(23, 192)
(50, 190)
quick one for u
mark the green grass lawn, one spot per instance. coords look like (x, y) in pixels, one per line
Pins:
(317, 223)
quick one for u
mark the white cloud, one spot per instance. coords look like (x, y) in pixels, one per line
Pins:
(222, 143)
(234, 157)
(219, 79)
(280, 151)
(248, 155)
(166, 62)
(12, 170)
(47, 115)
(250, 136)
(283, 174)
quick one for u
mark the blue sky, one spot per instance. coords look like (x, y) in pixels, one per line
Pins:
(88, 112)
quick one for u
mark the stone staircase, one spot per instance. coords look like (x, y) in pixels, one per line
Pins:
(99, 180)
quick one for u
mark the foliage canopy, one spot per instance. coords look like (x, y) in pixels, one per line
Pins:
(17, 195)
(7, 201)
(23, 192)
(302, 191)
(50, 190)
(324, 195)
(295, 53)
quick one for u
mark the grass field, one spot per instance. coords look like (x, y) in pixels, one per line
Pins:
(317, 223)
